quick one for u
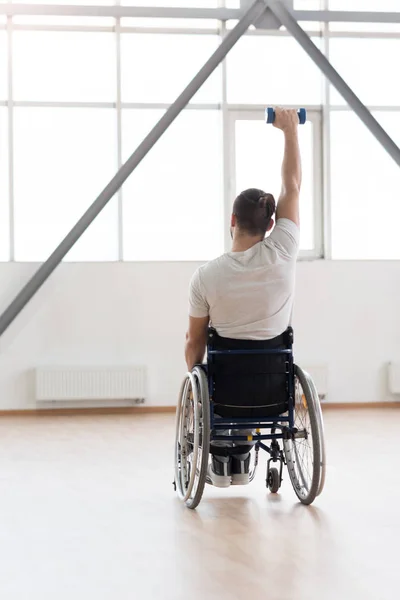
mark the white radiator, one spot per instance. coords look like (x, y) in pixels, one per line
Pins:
(88, 383)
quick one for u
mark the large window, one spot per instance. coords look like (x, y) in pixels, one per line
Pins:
(367, 65)
(365, 189)
(173, 202)
(365, 5)
(364, 178)
(85, 96)
(274, 70)
(70, 2)
(84, 91)
(298, 4)
(179, 3)
(64, 66)
(3, 65)
(63, 157)
(4, 194)
(257, 159)
(157, 67)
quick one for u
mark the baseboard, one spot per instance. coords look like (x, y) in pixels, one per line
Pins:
(134, 410)
(104, 410)
(354, 405)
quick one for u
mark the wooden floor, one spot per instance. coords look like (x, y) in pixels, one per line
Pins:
(87, 512)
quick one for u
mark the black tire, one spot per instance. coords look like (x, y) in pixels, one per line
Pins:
(274, 481)
(305, 473)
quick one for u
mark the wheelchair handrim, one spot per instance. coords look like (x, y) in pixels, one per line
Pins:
(183, 491)
(321, 437)
(203, 438)
(301, 455)
(179, 416)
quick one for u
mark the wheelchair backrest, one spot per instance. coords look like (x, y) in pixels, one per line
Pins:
(250, 378)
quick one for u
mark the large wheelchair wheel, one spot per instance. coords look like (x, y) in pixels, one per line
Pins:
(192, 444)
(305, 450)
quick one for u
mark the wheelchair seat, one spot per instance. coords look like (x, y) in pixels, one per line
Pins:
(249, 385)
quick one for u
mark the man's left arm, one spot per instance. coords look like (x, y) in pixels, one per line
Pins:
(196, 341)
(196, 337)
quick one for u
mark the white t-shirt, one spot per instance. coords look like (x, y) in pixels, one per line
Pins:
(249, 295)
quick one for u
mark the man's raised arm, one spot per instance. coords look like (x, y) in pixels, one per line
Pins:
(288, 204)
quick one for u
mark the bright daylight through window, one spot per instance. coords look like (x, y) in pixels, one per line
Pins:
(79, 93)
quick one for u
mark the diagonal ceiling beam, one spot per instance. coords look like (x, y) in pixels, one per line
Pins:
(288, 20)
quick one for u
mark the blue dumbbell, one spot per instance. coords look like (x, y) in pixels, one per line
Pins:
(270, 115)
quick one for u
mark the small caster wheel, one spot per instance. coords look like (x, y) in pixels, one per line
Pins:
(273, 481)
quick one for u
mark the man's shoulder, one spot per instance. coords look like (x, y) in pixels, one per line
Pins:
(215, 262)
(284, 239)
(210, 268)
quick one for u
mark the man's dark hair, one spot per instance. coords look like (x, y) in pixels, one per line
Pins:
(254, 210)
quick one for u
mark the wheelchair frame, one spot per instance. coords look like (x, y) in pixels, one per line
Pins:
(190, 479)
(262, 423)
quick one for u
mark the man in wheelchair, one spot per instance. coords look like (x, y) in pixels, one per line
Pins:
(247, 294)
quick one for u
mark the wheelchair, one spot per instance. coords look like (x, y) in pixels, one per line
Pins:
(250, 386)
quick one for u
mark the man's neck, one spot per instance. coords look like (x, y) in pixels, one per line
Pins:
(241, 243)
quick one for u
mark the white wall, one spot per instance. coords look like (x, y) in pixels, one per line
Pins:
(346, 316)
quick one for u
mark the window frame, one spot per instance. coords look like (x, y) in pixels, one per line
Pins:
(327, 31)
(256, 113)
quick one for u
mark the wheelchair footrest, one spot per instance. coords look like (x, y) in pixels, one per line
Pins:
(229, 451)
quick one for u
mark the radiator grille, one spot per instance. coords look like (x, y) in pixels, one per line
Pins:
(77, 383)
